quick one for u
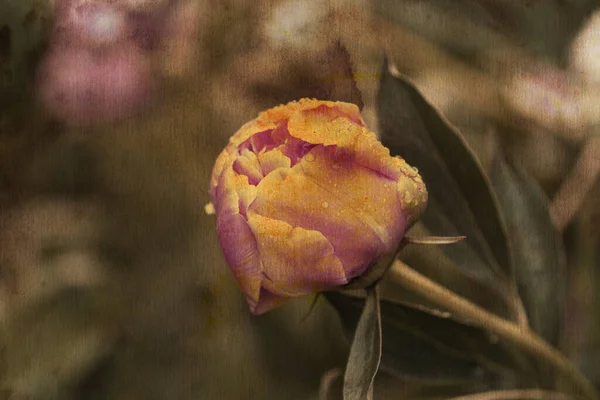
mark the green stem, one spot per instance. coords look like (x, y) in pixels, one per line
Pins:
(507, 330)
(518, 394)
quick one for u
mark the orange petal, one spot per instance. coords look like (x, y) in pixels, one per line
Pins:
(271, 160)
(283, 112)
(295, 261)
(324, 128)
(356, 209)
(266, 302)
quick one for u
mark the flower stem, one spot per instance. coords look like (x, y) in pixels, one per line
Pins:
(504, 329)
(519, 394)
(577, 184)
(433, 239)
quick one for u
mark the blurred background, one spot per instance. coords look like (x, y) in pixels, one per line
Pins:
(112, 282)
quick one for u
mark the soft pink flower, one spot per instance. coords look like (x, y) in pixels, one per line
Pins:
(307, 198)
(90, 23)
(102, 56)
(81, 87)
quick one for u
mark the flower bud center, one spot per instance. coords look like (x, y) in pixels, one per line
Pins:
(268, 150)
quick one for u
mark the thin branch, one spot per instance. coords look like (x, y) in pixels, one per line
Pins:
(520, 336)
(531, 394)
(433, 239)
(379, 328)
(577, 184)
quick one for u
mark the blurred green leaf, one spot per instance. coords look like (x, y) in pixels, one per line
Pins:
(431, 347)
(470, 28)
(537, 249)
(461, 201)
(365, 352)
(41, 354)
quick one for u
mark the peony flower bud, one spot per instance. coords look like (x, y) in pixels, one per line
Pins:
(307, 198)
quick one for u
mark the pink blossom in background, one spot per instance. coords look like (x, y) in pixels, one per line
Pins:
(78, 87)
(307, 198)
(98, 67)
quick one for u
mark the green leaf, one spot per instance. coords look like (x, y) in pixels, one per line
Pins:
(537, 249)
(461, 201)
(433, 348)
(365, 352)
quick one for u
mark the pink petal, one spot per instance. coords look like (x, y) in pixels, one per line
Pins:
(237, 240)
(233, 193)
(224, 160)
(241, 253)
(258, 141)
(250, 129)
(291, 147)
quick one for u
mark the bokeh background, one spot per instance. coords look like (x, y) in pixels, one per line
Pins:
(112, 282)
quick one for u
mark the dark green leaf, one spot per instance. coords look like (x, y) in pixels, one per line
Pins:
(365, 352)
(431, 347)
(461, 201)
(537, 250)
